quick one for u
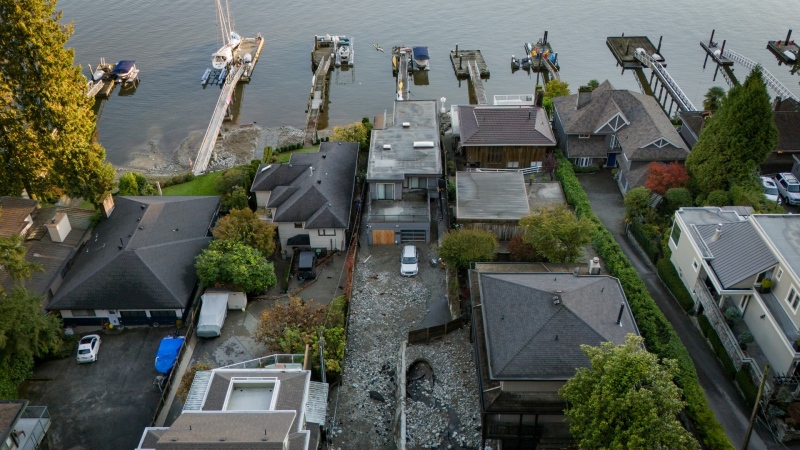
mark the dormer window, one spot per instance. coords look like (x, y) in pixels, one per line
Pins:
(583, 136)
(661, 143)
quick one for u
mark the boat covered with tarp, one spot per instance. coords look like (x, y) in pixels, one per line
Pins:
(168, 352)
(421, 57)
(125, 70)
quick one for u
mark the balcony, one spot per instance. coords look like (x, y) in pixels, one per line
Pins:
(264, 213)
(31, 428)
(414, 207)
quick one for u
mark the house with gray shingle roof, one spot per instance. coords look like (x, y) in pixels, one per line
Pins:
(310, 198)
(137, 266)
(723, 259)
(528, 328)
(613, 128)
(238, 409)
(504, 137)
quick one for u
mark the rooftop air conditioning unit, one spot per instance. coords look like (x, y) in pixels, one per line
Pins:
(387, 146)
(406, 124)
(423, 144)
(594, 266)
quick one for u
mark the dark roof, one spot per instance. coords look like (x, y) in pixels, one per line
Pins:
(10, 413)
(788, 124)
(735, 240)
(593, 147)
(529, 337)
(646, 122)
(13, 212)
(154, 269)
(692, 121)
(315, 188)
(505, 125)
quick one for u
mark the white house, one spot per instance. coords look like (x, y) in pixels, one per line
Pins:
(722, 255)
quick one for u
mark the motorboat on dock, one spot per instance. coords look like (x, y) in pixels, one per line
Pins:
(344, 51)
(125, 71)
(421, 58)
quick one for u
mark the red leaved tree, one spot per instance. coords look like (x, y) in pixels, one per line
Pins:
(666, 176)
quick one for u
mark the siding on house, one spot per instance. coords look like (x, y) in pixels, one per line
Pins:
(499, 157)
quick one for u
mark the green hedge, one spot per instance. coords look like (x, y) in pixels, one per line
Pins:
(673, 282)
(650, 247)
(749, 389)
(659, 335)
(722, 354)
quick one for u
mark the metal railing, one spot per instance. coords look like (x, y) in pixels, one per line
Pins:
(769, 79)
(399, 218)
(680, 98)
(212, 132)
(270, 360)
(525, 171)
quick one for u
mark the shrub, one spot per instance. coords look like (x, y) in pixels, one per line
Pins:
(636, 202)
(647, 243)
(732, 314)
(521, 251)
(719, 350)
(718, 198)
(746, 338)
(673, 282)
(659, 335)
(676, 198)
(463, 246)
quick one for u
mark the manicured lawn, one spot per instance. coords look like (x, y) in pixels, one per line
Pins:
(202, 185)
(284, 157)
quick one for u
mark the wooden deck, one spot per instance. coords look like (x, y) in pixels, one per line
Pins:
(460, 60)
(253, 46)
(779, 47)
(623, 48)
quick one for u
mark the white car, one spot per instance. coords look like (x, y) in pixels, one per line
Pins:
(409, 261)
(770, 188)
(88, 347)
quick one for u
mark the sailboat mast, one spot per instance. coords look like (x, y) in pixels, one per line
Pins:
(229, 18)
(223, 23)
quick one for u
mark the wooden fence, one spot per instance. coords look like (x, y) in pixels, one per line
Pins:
(424, 335)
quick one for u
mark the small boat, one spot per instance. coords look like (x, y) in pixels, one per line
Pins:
(204, 78)
(167, 353)
(421, 57)
(344, 51)
(790, 55)
(224, 56)
(524, 63)
(125, 70)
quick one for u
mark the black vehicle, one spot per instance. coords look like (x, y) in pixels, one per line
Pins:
(307, 266)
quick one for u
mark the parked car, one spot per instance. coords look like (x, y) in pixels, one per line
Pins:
(409, 261)
(770, 188)
(788, 188)
(88, 347)
(307, 266)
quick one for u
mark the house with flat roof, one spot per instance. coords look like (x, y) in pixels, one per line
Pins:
(226, 408)
(616, 127)
(493, 201)
(724, 260)
(403, 172)
(528, 328)
(504, 137)
(310, 198)
(137, 267)
(22, 426)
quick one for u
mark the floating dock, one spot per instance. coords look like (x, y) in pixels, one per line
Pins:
(542, 57)
(715, 51)
(253, 47)
(102, 80)
(402, 63)
(624, 47)
(460, 60)
(786, 50)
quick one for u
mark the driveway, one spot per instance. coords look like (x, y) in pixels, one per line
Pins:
(100, 405)
(723, 397)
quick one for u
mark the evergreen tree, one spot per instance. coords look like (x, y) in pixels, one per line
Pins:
(736, 139)
(46, 146)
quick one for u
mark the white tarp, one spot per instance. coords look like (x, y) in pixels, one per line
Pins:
(212, 314)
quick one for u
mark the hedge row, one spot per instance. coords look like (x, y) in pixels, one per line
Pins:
(650, 247)
(673, 282)
(659, 335)
(749, 389)
(716, 343)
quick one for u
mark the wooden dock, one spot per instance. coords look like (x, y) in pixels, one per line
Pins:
(715, 51)
(780, 49)
(103, 86)
(623, 48)
(403, 68)
(477, 83)
(252, 46)
(460, 60)
(316, 100)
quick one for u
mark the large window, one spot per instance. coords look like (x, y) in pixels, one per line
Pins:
(162, 313)
(327, 232)
(133, 314)
(793, 299)
(416, 182)
(385, 191)
(494, 155)
(676, 234)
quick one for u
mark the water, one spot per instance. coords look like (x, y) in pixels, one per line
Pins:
(172, 42)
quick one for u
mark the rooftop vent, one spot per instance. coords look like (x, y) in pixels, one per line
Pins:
(387, 146)
(557, 298)
(717, 233)
(423, 144)
(406, 124)
(266, 168)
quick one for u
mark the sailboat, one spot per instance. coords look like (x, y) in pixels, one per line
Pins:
(230, 39)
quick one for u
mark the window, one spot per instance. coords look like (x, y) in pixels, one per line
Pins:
(583, 136)
(793, 299)
(385, 191)
(416, 182)
(778, 276)
(743, 302)
(133, 314)
(83, 313)
(695, 265)
(494, 155)
(512, 165)
(325, 232)
(583, 162)
(162, 313)
(676, 234)
(298, 224)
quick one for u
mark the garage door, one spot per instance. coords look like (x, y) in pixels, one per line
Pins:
(383, 236)
(412, 235)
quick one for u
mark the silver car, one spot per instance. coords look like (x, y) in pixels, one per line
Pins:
(88, 347)
(788, 187)
(409, 261)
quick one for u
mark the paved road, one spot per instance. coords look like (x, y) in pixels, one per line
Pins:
(726, 402)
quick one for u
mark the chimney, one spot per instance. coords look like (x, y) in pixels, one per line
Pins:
(311, 168)
(59, 227)
(539, 95)
(108, 205)
(717, 233)
(584, 96)
(776, 104)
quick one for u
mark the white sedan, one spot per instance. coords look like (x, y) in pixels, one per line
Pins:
(88, 347)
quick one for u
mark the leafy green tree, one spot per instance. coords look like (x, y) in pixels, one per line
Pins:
(46, 146)
(626, 399)
(236, 265)
(230, 179)
(636, 201)
(134, 183)
(677, 198)
(713, 98)
(236, 199)
(355, 132)
(735, 140)
(26, 332)
(12, 259)
(592, 84)
(465, 245)
(555, 233)
(243, 225)
(718, 198)
(556, 88)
